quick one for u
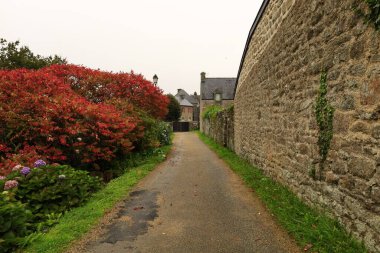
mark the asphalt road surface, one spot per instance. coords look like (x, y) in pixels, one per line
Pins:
(191, 203)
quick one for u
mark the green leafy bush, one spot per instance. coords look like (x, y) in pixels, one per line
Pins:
(50, 190)
(14, 222)
(174, 109)
(33, 200)
(163, 131)
(14, 56)
(211, 111)
(156, 133)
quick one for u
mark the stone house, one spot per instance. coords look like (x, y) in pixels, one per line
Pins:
(289, 44)
(189, 106)
(216, 91)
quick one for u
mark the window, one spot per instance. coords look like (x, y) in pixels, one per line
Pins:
(218, 97)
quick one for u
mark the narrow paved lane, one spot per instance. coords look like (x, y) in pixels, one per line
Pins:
(191, 203)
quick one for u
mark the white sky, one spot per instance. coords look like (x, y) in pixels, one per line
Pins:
(174, 39)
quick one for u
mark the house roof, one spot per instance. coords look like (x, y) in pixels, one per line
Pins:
(224, 85)
(189, 98)
(250, 34)
(184, 102)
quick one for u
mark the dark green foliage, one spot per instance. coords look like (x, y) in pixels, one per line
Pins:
(156, 133)
(371, 12)
(305, 224)
(84, 218)
(14, 56)
(324, 113)
(54, 189)
(164, 131)
(14, 222)
(211, 111)
(174, 109)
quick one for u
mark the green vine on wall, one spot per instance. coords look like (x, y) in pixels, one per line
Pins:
(211, 111)
(324, 115)
(371, 13)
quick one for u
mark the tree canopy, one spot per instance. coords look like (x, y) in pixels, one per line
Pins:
(174, 109)
(14, 56)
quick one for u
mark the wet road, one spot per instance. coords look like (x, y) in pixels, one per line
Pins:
(190, 203)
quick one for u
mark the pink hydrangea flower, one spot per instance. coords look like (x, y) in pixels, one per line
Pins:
(2, 177)
(10, 184)
(17, 167)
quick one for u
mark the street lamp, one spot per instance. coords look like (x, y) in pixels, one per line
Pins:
(155, 80)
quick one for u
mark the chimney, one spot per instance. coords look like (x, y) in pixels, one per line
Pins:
(179, 90)
(195, 93)
(203, 77)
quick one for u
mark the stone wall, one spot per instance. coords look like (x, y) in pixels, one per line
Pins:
(205, 103)
(221, 128)
(275, 125)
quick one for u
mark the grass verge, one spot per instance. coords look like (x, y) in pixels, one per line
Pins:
(75, 223)
(308, 226)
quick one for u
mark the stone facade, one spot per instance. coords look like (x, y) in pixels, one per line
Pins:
(221, 129)
(275, 125)
(187, 113)
(216, 91)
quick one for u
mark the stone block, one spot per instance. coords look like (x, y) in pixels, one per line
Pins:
(331, 178)
(362, 167)
(375, 193)
(346, 182)
(360, 126)
(376, 132)
(357, 70)
(341, 122)
(357, 49)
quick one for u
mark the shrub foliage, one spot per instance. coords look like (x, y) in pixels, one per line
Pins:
(13, 56)
(174, 108)
(14, 221)
(33, 200)
(211, 111)
(72, 115)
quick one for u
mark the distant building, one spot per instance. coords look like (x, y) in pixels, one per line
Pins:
(216, 91)
(189, 106)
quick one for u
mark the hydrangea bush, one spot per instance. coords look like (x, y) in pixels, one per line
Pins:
(31, 196)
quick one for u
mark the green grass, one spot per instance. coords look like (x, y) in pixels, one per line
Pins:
(305, 224)
(75, 223)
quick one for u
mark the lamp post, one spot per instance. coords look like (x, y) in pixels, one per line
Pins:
(155, 80)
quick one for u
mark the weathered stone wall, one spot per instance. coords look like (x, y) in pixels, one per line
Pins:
(205, 103)
(276, 11)
(275, 125)
(221, 128)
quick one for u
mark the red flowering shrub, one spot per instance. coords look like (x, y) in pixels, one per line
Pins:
(100, 86)
(41, 116)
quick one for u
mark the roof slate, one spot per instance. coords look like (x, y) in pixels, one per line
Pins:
(224, 85)
(189, 98)
(183, 102)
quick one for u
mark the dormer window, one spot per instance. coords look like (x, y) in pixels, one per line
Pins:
(217, 97)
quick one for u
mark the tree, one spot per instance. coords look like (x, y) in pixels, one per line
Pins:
(174, 109)
(14, 56)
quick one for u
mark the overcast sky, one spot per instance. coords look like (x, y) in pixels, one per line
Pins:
(174, 39)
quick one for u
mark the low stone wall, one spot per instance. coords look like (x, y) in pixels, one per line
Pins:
(220, 128)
